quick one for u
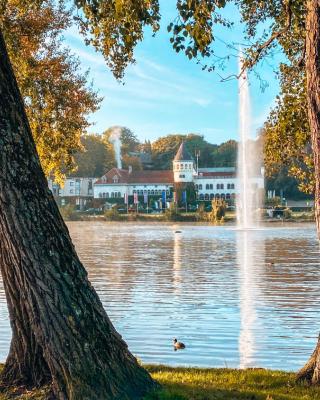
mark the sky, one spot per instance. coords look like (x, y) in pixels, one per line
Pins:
(165, 93)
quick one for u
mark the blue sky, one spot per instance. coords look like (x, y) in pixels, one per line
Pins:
(166, 93)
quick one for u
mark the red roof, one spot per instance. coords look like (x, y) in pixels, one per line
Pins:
(144, 177)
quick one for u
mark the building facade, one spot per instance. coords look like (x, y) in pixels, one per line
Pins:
(209, 183)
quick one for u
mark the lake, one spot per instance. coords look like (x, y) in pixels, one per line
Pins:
(236, 299)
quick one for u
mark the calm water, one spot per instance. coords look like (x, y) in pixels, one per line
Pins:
(235, 298)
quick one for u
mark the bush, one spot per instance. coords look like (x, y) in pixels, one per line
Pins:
(287, 213)
(172, 214)
(201, 214)
(112, 214)
(218, 212)
(69, 213)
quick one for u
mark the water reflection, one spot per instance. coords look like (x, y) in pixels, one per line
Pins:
(250, 255)
(157, 284)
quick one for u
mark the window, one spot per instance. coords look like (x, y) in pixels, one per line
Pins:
(152, 191)
(100, 195)
(134, 191)
(181, 166)
(107, 196)
(196, 186)
(221, 186)
(206, 196)
(200, 187)
(211, 196)
(112, 194)
(217, 196)
(218, 186)
(232, 186)
(223, 196)
(71, 183)
(71, 191)
(228, 196)
(211, 186)
(201, 196)
(119, 194)
(207, 186)
(190, 166)
(186, 166)
(115, 179)
(182, 176)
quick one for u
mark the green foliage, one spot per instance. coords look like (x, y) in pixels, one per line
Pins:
(228, 384)
(96, 158)
(172, 214)
(68, 212)
(287, 133)
(112, 214)
(57, 97)
(165, 148)
(201, 214)
(225, 155)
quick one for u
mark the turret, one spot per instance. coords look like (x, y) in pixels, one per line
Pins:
(183, 165)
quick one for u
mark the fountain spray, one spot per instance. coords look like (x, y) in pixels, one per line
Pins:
(115, 139)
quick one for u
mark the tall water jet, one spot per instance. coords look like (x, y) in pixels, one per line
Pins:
(115, 139)
(247, 198)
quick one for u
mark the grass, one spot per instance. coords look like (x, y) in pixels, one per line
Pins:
(213, 384)
(228, 384)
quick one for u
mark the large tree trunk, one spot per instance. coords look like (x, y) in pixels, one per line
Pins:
(311, 371)
(61, 333)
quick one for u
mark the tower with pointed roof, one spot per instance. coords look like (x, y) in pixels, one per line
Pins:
(183, 165)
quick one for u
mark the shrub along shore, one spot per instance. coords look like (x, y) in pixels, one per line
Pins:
(211, 384)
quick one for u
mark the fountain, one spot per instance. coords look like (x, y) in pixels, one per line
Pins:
(248, 165)
(249, 244)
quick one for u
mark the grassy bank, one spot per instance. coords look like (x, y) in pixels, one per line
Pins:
(215, 384)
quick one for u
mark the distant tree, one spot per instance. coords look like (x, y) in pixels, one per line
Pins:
(165, 148)
(96, 158)
(129, 140)
(132, 161)
(225, 155)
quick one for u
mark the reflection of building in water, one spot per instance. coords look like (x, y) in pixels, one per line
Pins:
(177, 258)
(250, 253)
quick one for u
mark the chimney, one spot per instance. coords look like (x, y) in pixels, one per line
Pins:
(130, 169)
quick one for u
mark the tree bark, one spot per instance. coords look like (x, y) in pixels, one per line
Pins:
(61, 333)
(311, 371)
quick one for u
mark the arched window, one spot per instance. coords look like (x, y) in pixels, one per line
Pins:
(228, 196)
(217, 196)
(107, 195)
(206, 197)
(201, 196)
(112, 194)
(223, 196)
(211, 196)
(149, 191)
(152, 191)
(233, 195)
(134, 191)
(119, 194)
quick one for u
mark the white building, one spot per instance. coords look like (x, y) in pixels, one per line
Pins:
(74, 190)
(118, 182)
(209, 182)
